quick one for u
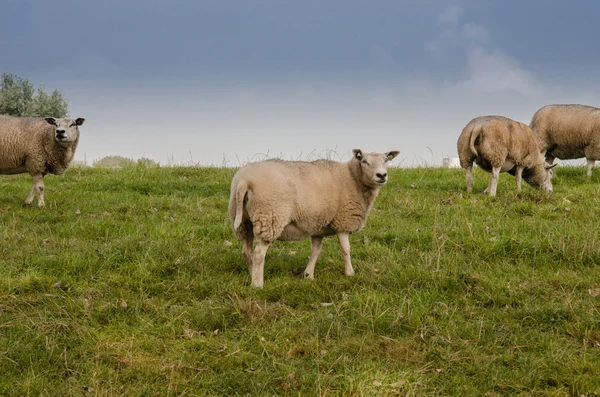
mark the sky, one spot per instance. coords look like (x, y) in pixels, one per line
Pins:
(218, 82)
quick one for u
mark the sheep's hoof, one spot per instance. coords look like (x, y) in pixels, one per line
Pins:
(309, 276)
(297, 271)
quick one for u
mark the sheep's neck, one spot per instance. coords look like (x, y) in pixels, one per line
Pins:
(369, 193)
(66, 153)
(59, 157)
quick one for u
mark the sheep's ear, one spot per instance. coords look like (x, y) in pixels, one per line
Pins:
(51, 120)
(549, 167)
(391, 155)
(357, 154)
(79, 121)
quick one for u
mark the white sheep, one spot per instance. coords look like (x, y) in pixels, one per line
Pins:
(38, 146)
(294, 200)
(499, 144)
(568, 132)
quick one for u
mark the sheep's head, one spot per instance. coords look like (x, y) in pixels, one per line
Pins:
(542, 179)
(66, 130)
(374, 166)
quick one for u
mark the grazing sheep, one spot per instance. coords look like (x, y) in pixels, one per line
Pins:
(568, 132)
(38, 146)
(499, 144)
(293, 200)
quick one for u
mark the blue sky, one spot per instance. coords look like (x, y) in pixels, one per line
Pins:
(229, 81)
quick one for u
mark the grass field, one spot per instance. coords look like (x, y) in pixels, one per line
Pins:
(130, 282)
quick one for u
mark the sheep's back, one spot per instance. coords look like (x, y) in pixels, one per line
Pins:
(303, 192)
(566, 130)
(501, 141)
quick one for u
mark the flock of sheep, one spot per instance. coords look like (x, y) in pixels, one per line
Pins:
(294, 200)
(498, 144)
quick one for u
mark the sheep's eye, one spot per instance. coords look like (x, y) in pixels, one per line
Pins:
(72, 125)
(365, 162)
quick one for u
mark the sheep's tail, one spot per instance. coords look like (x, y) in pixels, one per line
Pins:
(475, 133)
(240, 194)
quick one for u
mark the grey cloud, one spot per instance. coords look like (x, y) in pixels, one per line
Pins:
(475, 32)
(451, 15)
(237, 79)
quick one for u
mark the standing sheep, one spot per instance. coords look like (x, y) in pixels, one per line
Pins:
(38, 146)
(293, 200)
(499, 144)
(568, 132)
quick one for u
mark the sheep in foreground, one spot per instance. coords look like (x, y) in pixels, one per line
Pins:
(568, 132)
(499, 144)
(294, 200)
(38, 146)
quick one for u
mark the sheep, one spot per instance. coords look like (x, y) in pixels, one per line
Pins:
(568, 132)
(38, 146)
(294, 200)
(499, 144)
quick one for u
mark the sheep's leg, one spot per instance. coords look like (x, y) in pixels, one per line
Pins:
(40, 189)
(247, 250)
(316, 243)
(469, 178)
(491, 189)
(590, 167)
(345, 245)
(258, 263)
(31, 195)
(518, 177)
(37, 186)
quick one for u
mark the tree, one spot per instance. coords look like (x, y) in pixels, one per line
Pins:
(18, 97)
(122, 162)
(113, 162)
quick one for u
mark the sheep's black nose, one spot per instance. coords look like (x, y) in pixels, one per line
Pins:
(60, 132)
(381, 176)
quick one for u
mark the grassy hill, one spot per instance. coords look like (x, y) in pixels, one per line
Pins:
(130, 282)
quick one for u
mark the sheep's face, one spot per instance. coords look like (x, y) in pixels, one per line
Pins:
(66, 130)
(547, 184)
(374, 166)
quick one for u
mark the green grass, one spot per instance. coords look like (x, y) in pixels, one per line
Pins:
(453, 295)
